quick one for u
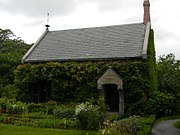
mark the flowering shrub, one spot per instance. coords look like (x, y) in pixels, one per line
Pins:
(90, 117)
(16, 108)
(82, 107)
(12, 106)
(129, 126)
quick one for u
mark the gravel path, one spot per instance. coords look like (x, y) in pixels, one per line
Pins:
(165, 128)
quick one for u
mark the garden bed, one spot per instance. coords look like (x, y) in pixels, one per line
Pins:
(85, 116)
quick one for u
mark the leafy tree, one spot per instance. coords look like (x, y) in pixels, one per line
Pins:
(9, 43)
(169, 76)
(5, 35)
(12, 49)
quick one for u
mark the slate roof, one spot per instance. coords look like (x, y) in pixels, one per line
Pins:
(108, 42)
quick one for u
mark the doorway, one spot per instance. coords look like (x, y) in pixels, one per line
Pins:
(111, 97)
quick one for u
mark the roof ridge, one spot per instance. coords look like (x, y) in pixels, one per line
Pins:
(98, 27)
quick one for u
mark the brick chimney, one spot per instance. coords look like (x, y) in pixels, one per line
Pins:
(147, 18)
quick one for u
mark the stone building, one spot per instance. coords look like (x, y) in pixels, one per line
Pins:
(126, 42)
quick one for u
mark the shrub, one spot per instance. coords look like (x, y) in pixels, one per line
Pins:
(3, 118)
(128, 126)
(64, 112)
(134, 124)
(12, 106)
(33, 107)
(6, 119)
(19, 108)
(21, 121)
(160, 103)
(102, 105)
(16, 108)
(90, 117)
(3, 102)
(51, 105)
(9, 91)
(46, 108)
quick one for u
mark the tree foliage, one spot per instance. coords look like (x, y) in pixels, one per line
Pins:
(169, 76)
(5, 35)
(11, 51)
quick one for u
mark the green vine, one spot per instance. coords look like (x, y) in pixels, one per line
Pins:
(152, 62)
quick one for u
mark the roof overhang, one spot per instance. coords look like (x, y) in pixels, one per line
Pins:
(82, 59)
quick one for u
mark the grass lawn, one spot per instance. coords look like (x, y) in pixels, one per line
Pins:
(177, 124)
(22, 130)
(168, 118)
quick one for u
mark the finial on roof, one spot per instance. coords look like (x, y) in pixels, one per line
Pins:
(47, 25)
(146, 18)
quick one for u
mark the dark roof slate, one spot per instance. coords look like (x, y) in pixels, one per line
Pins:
(109, 42)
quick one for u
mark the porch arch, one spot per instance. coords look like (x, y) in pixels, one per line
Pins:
(110, 84)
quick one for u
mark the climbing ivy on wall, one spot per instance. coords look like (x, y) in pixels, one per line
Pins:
(152, 62)
(77, 81)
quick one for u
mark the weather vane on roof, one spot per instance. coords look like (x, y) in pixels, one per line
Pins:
(47, 25)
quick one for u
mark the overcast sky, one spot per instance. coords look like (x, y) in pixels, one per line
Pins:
(26, 18)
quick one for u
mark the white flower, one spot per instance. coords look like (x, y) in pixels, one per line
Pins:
(14, 106)
(83, 107)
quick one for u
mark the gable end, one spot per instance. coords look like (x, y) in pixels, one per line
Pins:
(34, 46)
